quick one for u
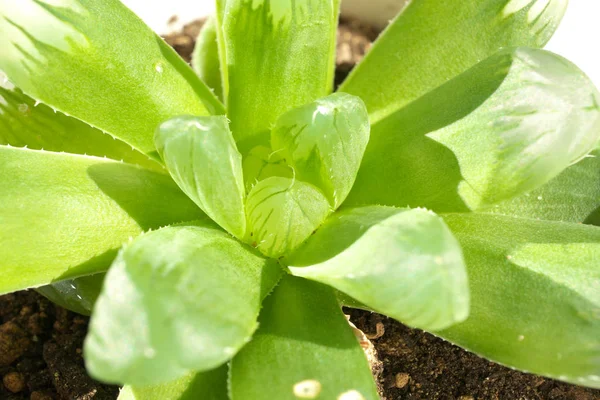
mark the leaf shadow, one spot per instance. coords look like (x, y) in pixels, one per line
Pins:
(152, 199)
(403, 166)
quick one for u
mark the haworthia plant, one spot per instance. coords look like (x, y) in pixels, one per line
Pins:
(213, 237)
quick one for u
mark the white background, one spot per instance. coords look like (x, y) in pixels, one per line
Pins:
(577, 38)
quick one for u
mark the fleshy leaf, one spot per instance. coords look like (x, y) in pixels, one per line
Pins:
(202, 158)
(176, 300)
(402, 263)
(205, 58)
(534, 293)
(278, 55)
(283, 213)
(544, 117)
(302, 334)
(209, 385)
(25, 123)
(543, 112)
(324, 142)
(433, 41)
(97, 61)
(65, 215)
(262, 163)
(573, 196)
(78, 295)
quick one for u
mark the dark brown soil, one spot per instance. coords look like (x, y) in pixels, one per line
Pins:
(40, 344)
(417, 365)
(40, 352)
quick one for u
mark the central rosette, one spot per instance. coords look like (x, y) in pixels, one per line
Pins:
(275, 196)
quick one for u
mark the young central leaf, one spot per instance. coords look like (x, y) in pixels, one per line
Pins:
(262, 163)
(203, 159)
(324, 142)
(282, 213)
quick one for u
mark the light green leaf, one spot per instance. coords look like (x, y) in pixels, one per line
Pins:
(262, 163)
(402, 263)
(283, 213)
(432, 41)
(324, 142)
(97, 61)
(202, 158)
(78, 295)
(544, 117)
(25, 123)
(278, 55)
(573, 196)
(302, 335)
(176, 300)
(516, 120)
(64, 215)
(205, 58)
(209, 385)
(535, 295)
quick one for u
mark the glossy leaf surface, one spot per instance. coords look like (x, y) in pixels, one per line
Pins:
(433, 41)
(403, 263)
(406, 163)
(544, 117)
(262, 163)
(64, 215)
(176, 300)
(302, 334)
(78, 295)
(324, 142)
(278, 55)
(132, 80)
(534, 295)
(202, 158)
(282, 213)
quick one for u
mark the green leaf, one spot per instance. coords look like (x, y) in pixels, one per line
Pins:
(324, 142)
(78, 295)
(25, 123)
(573, 196)
(304, 349)
(416, 274)
(202, 158)
(205, 58)
(64, 215)
(97, 61)
(283, 213)
(278, 55)
(209, 385)
(534, 293)
(262, 163)
(513, 122)
(176, 300)
(544, 117)
(432, 41)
